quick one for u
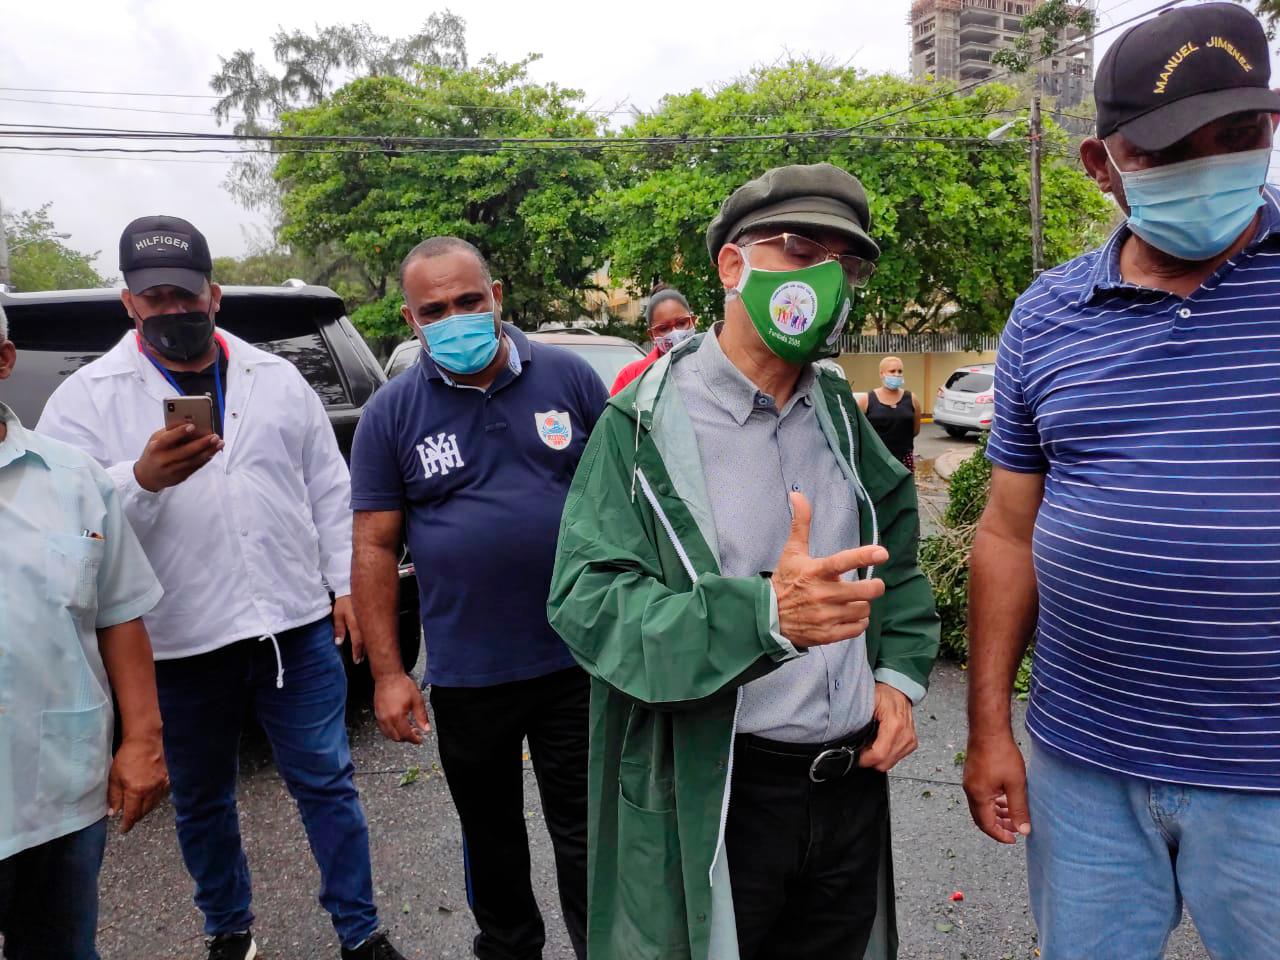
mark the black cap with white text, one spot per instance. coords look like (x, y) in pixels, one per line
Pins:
(1166, 77)
(164, 252)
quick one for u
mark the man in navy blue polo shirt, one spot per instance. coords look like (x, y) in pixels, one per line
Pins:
(477, 448)
(1134, 523)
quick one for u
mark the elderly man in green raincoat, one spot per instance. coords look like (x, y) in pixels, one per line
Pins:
(737, 572)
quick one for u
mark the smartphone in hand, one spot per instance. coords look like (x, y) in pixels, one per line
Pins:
(197, 411)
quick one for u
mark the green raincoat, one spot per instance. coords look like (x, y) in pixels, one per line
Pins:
(668, 641)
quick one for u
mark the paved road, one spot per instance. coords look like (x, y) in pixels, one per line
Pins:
(147, 910)
(146, 895)
(931, 444)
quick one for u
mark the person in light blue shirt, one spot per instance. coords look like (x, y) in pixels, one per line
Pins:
(74, 584)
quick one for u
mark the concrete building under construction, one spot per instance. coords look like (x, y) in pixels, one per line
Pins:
(955, 39)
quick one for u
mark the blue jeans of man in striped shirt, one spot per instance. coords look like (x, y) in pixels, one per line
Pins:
(1111, 860)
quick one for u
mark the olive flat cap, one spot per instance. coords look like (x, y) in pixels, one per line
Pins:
(797, 196)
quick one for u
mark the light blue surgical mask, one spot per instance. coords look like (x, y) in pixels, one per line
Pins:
(1196, 209)
(894, 383)
(464, 343)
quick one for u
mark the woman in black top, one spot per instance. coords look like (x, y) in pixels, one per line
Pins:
(893, 411)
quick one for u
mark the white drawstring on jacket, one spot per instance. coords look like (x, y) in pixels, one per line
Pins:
(635, 457)
(279, 661)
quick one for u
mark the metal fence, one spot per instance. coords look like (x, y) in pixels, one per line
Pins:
(888, 344)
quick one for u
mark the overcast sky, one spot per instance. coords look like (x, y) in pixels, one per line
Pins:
(618, 54)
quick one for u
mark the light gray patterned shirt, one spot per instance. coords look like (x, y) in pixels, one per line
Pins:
(753, 455)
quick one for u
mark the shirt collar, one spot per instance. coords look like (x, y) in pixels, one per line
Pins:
(737, 395)
(518, 354)
(17, 441)
(1105, 274)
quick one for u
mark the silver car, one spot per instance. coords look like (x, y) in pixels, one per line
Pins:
(967, 400)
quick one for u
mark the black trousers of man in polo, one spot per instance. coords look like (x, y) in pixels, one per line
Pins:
(804, 857)
(480, 732)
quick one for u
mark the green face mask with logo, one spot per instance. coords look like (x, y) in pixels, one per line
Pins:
(799, 314)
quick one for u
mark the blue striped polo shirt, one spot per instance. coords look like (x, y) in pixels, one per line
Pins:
(1156, 421)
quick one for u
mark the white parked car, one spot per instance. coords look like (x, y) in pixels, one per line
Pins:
(607, 355)
(967, 401)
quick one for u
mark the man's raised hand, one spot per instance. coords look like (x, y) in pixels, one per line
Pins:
(172, 454)
(815, 604)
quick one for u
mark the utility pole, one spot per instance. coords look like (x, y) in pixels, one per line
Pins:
(1037, 212)
(4, 250)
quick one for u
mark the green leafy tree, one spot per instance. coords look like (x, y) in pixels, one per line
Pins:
(1044, 30)
(39, 260)
(1269, 12)
(309, 65)
(529, 209)
(271, 265)
(949, 210)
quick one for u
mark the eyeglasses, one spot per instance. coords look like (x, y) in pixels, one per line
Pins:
(677, 323)
(811, 253)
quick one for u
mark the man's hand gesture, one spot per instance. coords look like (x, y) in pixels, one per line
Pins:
(172, 454)
(815, 604)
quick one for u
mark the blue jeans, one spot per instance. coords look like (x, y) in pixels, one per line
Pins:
(203, 702)
(49, 897)
(1111, 859)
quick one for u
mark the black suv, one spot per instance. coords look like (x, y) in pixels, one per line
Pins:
(58, 332)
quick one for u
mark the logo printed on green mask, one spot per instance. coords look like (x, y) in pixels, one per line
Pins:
(793, 307)
(799, 314)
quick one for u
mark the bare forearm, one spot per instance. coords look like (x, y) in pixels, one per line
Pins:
(1002, 616)
(375, 592)
(131, 669)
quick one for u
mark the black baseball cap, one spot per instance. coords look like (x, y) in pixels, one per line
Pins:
(164, 251)
(1168, 76)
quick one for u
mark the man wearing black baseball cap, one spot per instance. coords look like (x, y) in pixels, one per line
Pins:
(248, 529)
(1131, 524)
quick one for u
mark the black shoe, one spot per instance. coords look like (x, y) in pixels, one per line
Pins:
(233, 946)
(377, 947)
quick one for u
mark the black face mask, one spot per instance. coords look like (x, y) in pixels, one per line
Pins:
(179, 336)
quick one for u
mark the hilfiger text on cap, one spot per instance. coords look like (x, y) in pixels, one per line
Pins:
(160, 240)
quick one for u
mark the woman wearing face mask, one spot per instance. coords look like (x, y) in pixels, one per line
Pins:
(670, 322)
(893, 411)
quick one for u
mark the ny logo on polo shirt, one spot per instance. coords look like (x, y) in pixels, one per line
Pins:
(439, 455)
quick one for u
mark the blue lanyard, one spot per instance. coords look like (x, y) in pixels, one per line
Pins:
(217, 384)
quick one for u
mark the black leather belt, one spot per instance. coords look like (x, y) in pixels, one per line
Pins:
(820, 762)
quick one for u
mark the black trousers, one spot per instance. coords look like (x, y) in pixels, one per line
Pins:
(804, 857)
(480, 731)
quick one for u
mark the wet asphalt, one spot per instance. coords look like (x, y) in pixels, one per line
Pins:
(146, 909)
(147, 912)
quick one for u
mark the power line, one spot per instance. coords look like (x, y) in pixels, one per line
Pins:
(43, 155)
(753, 115)
(113, 93)
(104, 106)
(393, 143)
(575, 147)
(1114, 8)
(1004, 74)
(210, 96)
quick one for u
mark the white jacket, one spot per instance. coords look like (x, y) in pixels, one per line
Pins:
(244, 546)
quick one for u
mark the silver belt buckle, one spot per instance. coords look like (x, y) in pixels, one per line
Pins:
(849, 756)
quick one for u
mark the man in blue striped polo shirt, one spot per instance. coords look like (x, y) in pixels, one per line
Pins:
(1134, 523)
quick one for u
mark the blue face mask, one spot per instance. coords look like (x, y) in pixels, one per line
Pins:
(1198, 208)
(894, 383)
(464, 343)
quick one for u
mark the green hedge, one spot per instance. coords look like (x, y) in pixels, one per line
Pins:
(944, 557)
